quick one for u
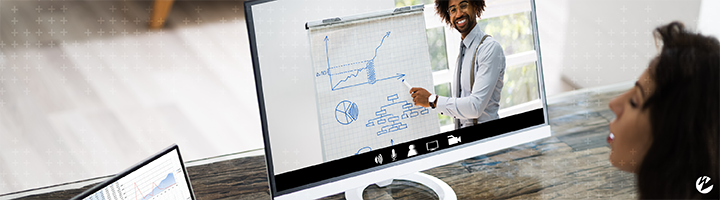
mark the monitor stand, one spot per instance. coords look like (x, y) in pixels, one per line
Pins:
(442, 189)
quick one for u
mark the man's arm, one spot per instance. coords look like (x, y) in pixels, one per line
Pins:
(490, 64)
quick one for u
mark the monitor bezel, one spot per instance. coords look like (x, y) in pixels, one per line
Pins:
(263, 117)
(137, 166)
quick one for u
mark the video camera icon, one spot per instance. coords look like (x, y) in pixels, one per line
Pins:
(453, 140)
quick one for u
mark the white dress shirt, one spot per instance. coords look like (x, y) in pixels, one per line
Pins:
(482, 102)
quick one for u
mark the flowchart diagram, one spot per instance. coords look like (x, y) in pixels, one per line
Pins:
(390, 122)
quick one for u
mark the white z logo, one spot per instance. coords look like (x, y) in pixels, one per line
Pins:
(702, 181)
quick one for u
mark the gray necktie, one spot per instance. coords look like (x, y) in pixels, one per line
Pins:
(461, 57)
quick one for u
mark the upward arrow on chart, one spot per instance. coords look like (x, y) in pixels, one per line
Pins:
(328, 59)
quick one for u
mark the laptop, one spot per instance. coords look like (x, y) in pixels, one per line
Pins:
(161, 176)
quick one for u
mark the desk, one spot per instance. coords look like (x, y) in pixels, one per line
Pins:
(571, 164)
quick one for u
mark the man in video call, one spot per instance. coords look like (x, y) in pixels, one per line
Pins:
(478, 78)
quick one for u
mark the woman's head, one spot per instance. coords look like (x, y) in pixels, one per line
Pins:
(666, 127)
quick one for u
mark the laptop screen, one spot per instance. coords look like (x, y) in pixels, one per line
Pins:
(162, 176)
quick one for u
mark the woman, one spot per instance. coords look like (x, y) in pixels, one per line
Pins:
(666, 127)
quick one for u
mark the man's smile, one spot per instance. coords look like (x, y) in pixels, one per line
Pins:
(461, 22)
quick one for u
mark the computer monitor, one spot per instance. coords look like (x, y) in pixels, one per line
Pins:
(161, 176)
(335, 119)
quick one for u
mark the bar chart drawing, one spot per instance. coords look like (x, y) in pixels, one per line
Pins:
(346, 75)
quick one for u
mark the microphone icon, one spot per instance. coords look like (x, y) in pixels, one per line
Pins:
(393, 155)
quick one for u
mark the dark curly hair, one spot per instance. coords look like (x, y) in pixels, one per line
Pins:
(441, 8)
(683, 116)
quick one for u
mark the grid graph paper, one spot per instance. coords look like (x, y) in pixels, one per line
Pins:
(359, 67)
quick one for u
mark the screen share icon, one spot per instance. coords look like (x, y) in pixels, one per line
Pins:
(432, 145)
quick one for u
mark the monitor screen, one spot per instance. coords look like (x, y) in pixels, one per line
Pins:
(162, 176)
(333, 81)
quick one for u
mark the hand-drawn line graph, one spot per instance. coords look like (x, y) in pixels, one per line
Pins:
(346, 112)
(390, 122)
(349, 70)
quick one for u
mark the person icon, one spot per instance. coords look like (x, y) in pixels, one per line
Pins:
(412, 151)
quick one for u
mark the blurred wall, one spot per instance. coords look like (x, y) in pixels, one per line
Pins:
(595, 43)
(709, 16)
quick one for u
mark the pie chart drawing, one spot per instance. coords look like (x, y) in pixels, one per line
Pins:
(346, 112)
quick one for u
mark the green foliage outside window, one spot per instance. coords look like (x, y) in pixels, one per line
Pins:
(520, 85)
(513, 32)
(437, 48)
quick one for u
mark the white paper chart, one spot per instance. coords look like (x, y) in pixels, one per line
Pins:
(359, 67)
